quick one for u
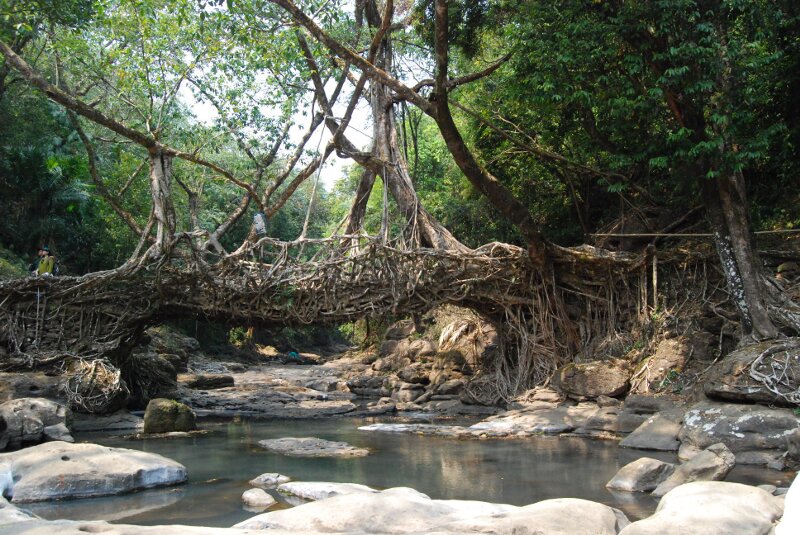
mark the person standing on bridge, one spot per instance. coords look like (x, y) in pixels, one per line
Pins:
(45, 264)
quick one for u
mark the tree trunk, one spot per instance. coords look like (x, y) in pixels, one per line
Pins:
(422, 227)
(726, 213)
(355, 220)
(161, 193)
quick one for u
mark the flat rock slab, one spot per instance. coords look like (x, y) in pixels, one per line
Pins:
(656, 433)
(59, 470)
(404, 510)
(119, 421)
(321, 490)
(206, 381)
(269, 480)
(742, 428)
(641, 475)
(711, 508)
(312, 447)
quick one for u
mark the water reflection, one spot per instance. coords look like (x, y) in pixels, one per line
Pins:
(517, 472)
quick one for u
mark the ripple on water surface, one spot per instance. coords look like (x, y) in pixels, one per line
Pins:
(516, 471)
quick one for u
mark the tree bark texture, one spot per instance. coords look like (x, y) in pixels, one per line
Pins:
(161, 193)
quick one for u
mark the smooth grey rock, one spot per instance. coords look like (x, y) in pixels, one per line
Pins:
(711, 508)
(312, 447)
(743, 428)
(258, 498)
(59, 470)
(321, 490)
(657, 433)
(269, 480)
(592, 379)
(712, 464)
(729, 380)
(25, 420)
(57, 432)
(790, 523)
(403, 510)
(641, 475)
(118, 421)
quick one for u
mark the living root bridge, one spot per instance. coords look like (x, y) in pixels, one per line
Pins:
(331, 280)
(310, 281)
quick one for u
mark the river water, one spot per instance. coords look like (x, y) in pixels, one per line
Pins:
(516, 471)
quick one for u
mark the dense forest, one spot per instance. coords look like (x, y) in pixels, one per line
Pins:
(525, 122)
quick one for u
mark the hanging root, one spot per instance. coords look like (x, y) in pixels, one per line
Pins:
(94, 386)
(778, 369)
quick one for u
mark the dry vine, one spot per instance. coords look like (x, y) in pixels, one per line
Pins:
(778, 369)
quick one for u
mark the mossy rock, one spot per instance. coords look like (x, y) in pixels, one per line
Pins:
(166, 416)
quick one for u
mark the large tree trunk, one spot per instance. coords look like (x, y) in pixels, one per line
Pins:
(726, 212)
(161, 193)
(421, 227)
(497, 194)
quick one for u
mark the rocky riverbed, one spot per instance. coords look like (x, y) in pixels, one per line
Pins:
(415, 376)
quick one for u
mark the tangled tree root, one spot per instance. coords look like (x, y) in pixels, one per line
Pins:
(95, 386)
(778, 369)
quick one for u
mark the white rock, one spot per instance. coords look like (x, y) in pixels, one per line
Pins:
(269, 480)
(403, 510)
(312, 447)
(258, 498)
(58, 432)
(58, 470)
(711, 508)
(790, 523)
(641, 475)
(712, 464)
(321, 490)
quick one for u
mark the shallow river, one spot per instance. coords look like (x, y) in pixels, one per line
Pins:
(517, 471)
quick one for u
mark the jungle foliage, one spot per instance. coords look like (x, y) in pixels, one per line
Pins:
(586, 122)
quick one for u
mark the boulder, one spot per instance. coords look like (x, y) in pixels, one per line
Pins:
(637, 409)
(321, 490)
(669, 358)
(642, 475)
(399, 330)
(711, 508)
(790, 523)
(592, 379)
(59, 470)
(258, 498)
(23, 421)
(403, 510)
(414, 374)
(602, 422)
(421, 349)
(453, 387)
(659, 432)
(476, 340)
(208, 381)
(729, 380)
(269, 480)
(712, 464)
(407, 392)
(166, 416)
(312, 447)
(742, 428)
